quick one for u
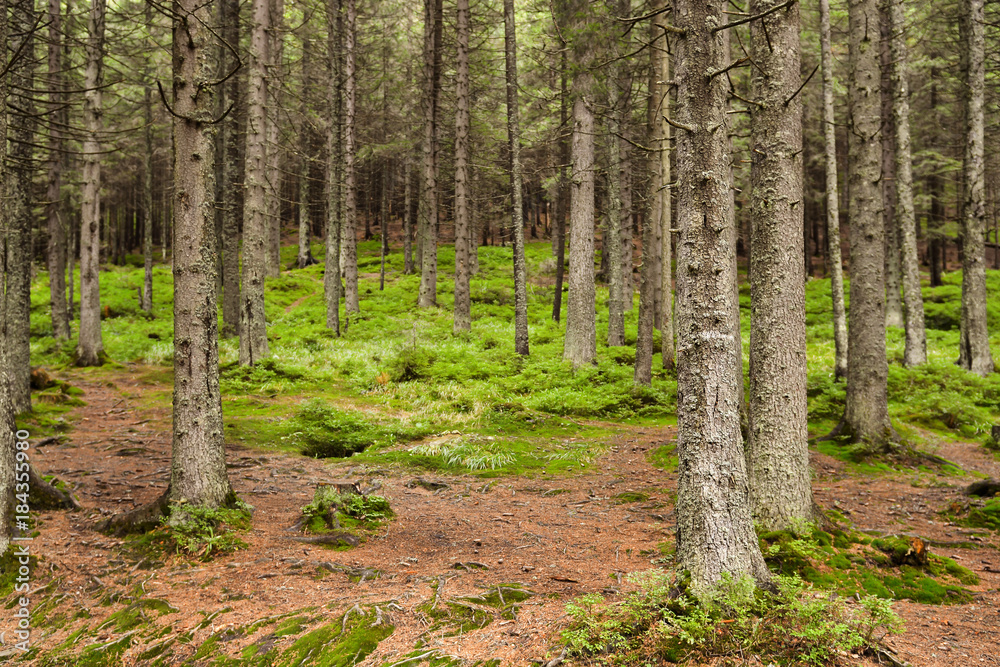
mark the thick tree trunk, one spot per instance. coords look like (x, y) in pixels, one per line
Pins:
(463, 239)
(974, 344)
(866, 414)
(580, 346)
(273, 106)
(517, 204)
(893, 279)
(667, 347)
(253, 326)
(232, 185)
(833, 199)
(777, 447)
(349, 239)
(198, 464)
(56, 251)
(715, 535)
(429, 214)
(331, 273)
(915, 353)
(90, 348)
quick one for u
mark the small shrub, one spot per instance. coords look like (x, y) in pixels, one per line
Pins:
(410, 363)
(202, 531)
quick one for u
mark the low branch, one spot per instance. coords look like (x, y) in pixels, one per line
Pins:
(755, 17)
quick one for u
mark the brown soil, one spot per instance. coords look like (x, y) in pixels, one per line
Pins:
(559, 538)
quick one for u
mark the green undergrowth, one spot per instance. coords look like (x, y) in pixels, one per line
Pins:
(663, 622)
(975, 513)
(462, 615)
(853, 564)
(331, 512)
(192, 531)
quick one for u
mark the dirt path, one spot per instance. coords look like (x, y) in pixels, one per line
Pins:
(558, 538)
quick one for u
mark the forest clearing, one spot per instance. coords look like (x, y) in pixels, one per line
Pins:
(517, 486)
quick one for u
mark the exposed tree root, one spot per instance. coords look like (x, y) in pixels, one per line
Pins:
(45, 496)
(139, 520)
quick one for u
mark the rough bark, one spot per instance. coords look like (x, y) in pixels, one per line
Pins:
(7, 425)
(463, 239)
(643, 370)
(90, 347)
(866, 414)
(580, 346)
(715, 534)
(517, 204)
(612, 241)
(429, 214)
(833, 198)
(408, 217)
(253, 327)
(275, 48)
(893, 279)
(331, 274)
(915, 353)
(56, 251)
(232, 211)
(198, 464)
(777, 448)
(349, 251)
(974, 344)
(667, 347)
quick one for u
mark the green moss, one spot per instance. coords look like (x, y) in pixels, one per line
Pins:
(631, 497)
(328, 646)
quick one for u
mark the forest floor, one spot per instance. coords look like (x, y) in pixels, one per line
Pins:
(429, 573)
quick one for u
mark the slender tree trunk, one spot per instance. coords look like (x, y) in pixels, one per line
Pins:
(712, 495)
(272, 152)
(198, 465)
(429, 217)
(612, 241)
(90, 348)
(147, 177)
(331, 274)
(667, 347)
(350, 243)
(893, 279)
(253, 326)
(383, 222)
(974, 345)
(833, 199)
(56, 250)
(305, 257)
(463, 239)
(517, 203)
(7, 425)
(562, 185)
(580, 346)
(643, 371)
(232, 211)
(408, 217)
(866, 414)
(777, 447)
(916, 337)
(628, 247)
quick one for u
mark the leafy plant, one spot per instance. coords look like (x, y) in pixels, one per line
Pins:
(202, 531)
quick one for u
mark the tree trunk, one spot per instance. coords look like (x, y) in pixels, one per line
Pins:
(429, 216)
(253, 326)
(56, 250)
(7, 424)
(712, 495)
(777, 447)
(561, 186)
(147, 177)
(383, 221)
(331, 273)
(643, 370)
(517, 203)
(580, 346)
(667, 347)
(198, 465)
(233, 183)
(866, 414)
(407, 217)
(90, 348)
(916, 337)
(304, 257)
(612, 242)
(349, 234)
(463, 239)
(974, 344)
(833, 199)
(893, 303)
(628, 247)
(272, 152)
